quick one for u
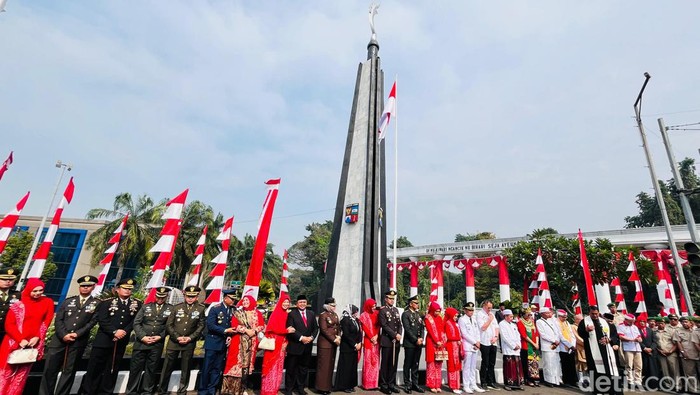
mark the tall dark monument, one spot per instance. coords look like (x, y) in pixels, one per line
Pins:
(356, 268)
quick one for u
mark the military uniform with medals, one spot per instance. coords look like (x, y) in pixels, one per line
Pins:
(413, 331)
(219, 332)
(75, 316)
(149, 322)
(186, 320)
(7, 297)
(390, 343)
(113, 315)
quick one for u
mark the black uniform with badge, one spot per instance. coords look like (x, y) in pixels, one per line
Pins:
(414, 329)
(186, 320)
(113, 314)
(390, 324)
(76, 315)
(149, 323)
(7, 297)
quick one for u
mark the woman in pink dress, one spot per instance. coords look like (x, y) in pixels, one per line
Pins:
(273, 360)
(454, 348)
(248, 322)
(25, 325)
(435, 341)
(370, 361)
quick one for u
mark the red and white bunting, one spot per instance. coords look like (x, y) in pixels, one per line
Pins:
(468, 265)
(619, 296)
(42, 253)
(639, 293)
(436, 282)
(165, 245)
(109, 256)
(216, 285)
(197, 262)
(664, 287)
(10, 220)
(284, 289)
(252, 281)
(545, 297)
(5, 165)
(387, 114)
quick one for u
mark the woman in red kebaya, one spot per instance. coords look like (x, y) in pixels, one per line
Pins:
(26, 325)
(273, 360)
(370, 360)
(435, 341)
(454, 348)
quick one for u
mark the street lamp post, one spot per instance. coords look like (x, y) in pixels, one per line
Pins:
(63, 167)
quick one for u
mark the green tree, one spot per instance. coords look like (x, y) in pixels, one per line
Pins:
(16, 253)
(309, 256)
(473, 237)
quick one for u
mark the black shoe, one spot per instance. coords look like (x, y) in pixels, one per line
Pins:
(394, 390)
(385, 391)
(418, 389)
(407, 389)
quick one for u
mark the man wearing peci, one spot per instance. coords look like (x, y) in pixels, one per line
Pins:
(8, 276)
(300, 345)
(390, 343)
(414, 332)
(218, 332)
(74, 320)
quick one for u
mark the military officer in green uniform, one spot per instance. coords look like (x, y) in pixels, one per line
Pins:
(8, 276)
(116, 320)
(185, 326)
(390, 343)
(149, 333)
(74, 320)
(413, 332)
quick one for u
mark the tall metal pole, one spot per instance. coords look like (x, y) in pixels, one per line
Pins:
(25, 269)
(659, 196)
(685, 204)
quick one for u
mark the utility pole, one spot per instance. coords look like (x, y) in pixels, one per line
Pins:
(660, 198)
(25, 269)
(685, 204)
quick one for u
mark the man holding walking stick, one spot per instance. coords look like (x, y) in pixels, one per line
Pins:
(390, 343)
(116, 319)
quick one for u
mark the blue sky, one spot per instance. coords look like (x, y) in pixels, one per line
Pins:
(512, 115)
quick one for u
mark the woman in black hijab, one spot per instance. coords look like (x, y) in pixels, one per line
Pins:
(350, 347)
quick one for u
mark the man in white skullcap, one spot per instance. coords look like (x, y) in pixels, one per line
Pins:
(549, 346)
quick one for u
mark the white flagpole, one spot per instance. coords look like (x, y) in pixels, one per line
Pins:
(396, 175)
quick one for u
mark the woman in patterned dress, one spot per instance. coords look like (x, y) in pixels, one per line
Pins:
(530, 346)
(370, 360)
(273, 360)
(454, 348)
(248, 322)
(435, 341)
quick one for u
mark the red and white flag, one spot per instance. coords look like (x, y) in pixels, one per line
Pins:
(216, 285)
(109, 255)
(388, 114)
(165, 245)
(42, 254)
(545, 296)
(252, 281)
(575, 300)
(619, 295)
(592, 301)
(5, 165)
(10, 220)
(197, 262)
(639, 293)
(284, 289)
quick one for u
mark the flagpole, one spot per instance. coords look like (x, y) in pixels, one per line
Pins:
(396, 179)
(35, 243)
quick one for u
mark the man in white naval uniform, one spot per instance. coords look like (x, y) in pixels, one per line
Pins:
(549, 346)
(470, 333)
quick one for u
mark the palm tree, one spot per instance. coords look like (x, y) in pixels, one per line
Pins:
(140, 234)
(194, 217)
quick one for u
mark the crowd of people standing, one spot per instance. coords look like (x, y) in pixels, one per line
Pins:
(610, 352)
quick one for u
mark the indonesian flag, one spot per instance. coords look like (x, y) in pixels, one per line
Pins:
(639, 293)
(8, 223)
(6, 164)
(197, 262)
(165, 245)
(545, 296)
(284, 289)
(575, 300)
(389, 112)
(109, 256)
(216, 285)
(592, 301)
(252, 281)
(619, 296)
(42, 253)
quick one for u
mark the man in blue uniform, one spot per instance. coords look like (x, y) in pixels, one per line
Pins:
(218, 332)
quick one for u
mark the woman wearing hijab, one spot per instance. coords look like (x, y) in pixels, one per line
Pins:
(26, 325)
(248, 322)
(273, 360)
(369, 319)
(454, 348)
(327, 346)
(435, 341)
(350, 347)
(530, 348)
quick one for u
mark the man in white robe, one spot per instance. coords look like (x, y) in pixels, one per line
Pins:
(549, 346)
(600, 356)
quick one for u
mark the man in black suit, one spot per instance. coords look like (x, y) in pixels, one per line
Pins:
(74, 320)
(300, 345)
(116, 320)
